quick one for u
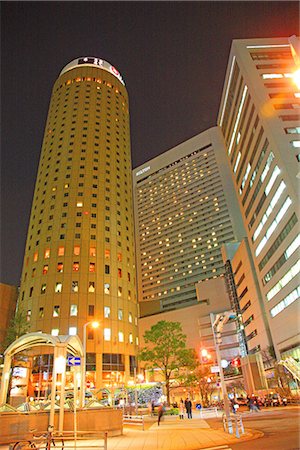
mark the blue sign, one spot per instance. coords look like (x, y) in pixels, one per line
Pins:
(74, 361)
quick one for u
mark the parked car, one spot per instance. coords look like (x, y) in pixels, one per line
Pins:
(241, 401)
(273, 400)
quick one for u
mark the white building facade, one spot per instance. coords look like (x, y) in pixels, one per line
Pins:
(260, 120)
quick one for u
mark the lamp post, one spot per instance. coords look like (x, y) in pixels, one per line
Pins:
(217, 322)
(83, 383)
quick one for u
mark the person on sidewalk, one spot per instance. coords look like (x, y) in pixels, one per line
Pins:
(161, 410)
(181, 409)
(252, 405)
(188, 407)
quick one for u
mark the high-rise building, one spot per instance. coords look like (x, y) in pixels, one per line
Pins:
(79, 263)
(185, 209)
(259, 117)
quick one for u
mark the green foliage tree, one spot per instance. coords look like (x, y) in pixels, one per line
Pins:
(166, 349)
(17, 327)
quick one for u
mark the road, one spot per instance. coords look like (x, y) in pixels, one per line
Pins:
(281, 428)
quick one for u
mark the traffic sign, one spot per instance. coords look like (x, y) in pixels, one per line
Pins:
(74, 361)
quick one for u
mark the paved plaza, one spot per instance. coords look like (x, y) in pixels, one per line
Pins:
(172, 434)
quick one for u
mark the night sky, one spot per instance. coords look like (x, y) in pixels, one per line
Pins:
(172, 56)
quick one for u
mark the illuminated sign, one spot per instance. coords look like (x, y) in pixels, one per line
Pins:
(140, 172)
(103, 64)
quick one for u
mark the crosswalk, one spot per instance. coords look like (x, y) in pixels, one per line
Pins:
(218, 447)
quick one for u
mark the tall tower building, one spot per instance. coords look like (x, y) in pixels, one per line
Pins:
(185, 209)
(79, 263)
(259, 117)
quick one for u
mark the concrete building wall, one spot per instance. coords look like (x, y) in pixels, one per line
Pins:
(195, 320)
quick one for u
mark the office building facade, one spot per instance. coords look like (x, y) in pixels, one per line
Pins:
(259, 118)
(79, 263)
(185, 209)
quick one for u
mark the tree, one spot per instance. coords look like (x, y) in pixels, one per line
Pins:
(16, 328)
(166, 350)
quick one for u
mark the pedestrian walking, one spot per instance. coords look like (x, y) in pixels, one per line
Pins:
(161, 410)
(188, 407)
(252, 405)
(181, 409)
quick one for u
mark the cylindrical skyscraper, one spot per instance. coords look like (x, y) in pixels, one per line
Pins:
(79, 263)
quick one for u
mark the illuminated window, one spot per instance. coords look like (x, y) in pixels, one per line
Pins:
(288, 300)
(288, 276)
(130, 317)
(271, 76)
(91, 286)
(45, 269)
(121, 336)
(92, 267)
(56, 311)
(129, 294)
(280, 215)
(58, 287)
(107, 254)
(41, 312)
(60, 267)
(92, 251)
(79, 204)
(130, 338)
(43, 289)
(106, 312)
(119, 291)
(72, 331)
(295, 144)
(73, 310)
(76, 250)
(54, 332)
(35, 257)
(28, 315)
(47, 253)
(119, 257)
(75, 266)
(61, 251)
(120, 314)
(74, 286)
(107, 334)
(106, 288)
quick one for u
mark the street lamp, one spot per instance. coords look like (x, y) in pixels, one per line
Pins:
(83, 383)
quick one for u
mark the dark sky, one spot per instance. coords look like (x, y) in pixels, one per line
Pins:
(172, 56)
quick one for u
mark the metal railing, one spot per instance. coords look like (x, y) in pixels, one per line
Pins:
(58, 440)
(134, 420)
(211, 410)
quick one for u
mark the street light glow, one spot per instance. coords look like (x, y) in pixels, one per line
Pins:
(95, 324)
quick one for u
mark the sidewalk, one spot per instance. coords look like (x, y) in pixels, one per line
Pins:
(175, 434)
